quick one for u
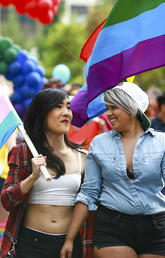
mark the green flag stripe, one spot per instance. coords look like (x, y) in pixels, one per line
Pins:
(125, 10)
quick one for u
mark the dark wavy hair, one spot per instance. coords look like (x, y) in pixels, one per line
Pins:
(35, 117)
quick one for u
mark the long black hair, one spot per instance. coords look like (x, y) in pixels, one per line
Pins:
(34, 124)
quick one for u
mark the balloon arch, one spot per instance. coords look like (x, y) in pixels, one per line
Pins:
(23, 70)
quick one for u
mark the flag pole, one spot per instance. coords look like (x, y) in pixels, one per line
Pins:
(34, 151)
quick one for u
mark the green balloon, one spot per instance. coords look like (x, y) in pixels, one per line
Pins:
(10, 55)
(3, 67)
(5, 43)
(16, 47)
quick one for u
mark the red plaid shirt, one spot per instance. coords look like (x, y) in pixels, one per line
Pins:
(87, 236)
(11, 192)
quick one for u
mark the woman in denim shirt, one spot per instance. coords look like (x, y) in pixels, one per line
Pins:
(124, 177)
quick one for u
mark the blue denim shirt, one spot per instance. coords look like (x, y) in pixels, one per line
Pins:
(106, 179)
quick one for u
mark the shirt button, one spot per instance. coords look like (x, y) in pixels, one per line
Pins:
(35, 240)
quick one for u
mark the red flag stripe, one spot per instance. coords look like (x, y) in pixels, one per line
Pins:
(89, 44)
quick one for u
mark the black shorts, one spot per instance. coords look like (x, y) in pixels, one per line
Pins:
(33, 244)
(144, 233)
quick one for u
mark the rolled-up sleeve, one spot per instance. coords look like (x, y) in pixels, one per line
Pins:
(91, 188)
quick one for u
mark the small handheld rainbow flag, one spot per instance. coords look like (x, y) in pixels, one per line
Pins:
(9, 120)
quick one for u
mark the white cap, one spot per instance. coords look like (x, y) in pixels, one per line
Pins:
(140, 97)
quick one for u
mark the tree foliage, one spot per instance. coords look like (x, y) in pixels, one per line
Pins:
(62, 45)
(96, 16)
(153, 78)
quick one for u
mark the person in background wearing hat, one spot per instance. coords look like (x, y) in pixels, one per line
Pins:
(125, 173)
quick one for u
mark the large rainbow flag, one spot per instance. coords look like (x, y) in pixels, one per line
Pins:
(131, 41)
(9, 120)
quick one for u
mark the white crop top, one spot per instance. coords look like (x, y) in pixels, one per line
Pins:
(61, 191)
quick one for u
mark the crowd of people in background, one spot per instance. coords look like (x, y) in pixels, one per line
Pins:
(155, 113)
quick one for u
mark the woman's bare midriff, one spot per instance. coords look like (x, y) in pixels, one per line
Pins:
(48, 218)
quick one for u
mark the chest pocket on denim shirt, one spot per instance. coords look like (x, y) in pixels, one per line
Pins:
(152, 165)
(108, 165)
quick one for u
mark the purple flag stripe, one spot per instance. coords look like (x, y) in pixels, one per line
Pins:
(5, 107)
(78, 105)
(146, 55)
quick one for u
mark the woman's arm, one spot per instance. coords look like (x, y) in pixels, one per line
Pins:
(27, 184)
(86, 199)
(19, 181)
(79, 216)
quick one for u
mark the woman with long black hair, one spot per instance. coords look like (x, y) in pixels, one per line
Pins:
(46, 206)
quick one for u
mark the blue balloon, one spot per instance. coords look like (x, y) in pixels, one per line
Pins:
(9, 76)
(34, 60)
(38, 88)
(40, 70)
(16, 97)
(27, 102)
(33, 79)
(14, 67)
(27, 91)
(16, 87)
(22, 56)
(61, 72)
(19, 80)
(28, 66)
(43, 80)
(40, 85)
(20, 109)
